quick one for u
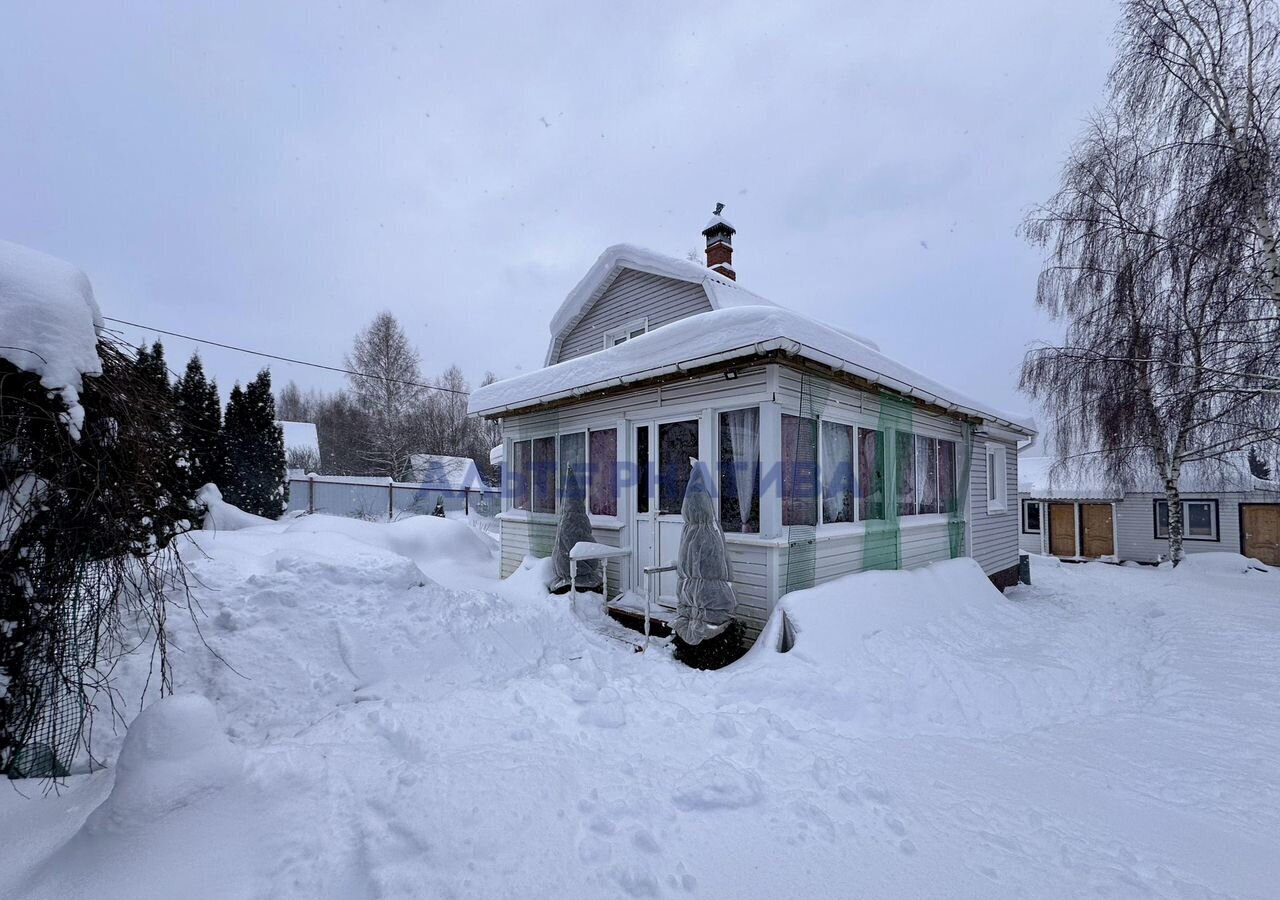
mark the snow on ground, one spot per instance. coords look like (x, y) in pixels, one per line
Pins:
(393, 721)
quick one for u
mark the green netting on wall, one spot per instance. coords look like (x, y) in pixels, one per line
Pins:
(882, 541)
(802, 537)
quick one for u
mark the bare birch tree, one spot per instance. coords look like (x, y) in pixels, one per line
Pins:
(1169, 357)
(1203, 76)
(390, 392)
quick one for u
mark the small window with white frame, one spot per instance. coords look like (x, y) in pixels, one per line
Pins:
(1030, 516)
(997, 479)
(615, 336)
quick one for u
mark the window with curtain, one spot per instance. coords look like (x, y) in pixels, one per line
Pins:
(740, 470)
(544, 475)
(799, 470)
(838, 462)
(947, 499)
(926, 475)
(520, 478)
(573, 455)
(677, 444)
(905, 457)
(870, 474)
(603, 484)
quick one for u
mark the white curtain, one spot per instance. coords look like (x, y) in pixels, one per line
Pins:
(744, 437)
(837, 458)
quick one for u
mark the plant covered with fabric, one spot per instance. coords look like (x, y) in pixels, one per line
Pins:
(574, 527)
(705, 601)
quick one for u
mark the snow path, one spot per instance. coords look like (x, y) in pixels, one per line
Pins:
(415, 728)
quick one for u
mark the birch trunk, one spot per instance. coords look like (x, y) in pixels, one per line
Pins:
(1174, 496)
(1271, 258)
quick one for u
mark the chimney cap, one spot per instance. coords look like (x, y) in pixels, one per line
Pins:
(718, 228)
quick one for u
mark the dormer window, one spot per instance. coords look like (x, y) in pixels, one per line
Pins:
(631, 330)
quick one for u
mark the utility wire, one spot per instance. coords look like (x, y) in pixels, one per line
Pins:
(297, 362)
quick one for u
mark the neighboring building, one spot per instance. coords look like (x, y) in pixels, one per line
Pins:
(827, 456)
(301, 447)
(1071, 511)
(454, 473)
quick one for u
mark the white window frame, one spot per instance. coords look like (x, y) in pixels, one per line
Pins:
(1027, 529)
(626, 332)
(997, 461)
(1186, 533)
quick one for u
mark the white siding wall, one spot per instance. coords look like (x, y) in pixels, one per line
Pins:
(1135, 525)
(632, 295)
(994, 539)
(1032, 543)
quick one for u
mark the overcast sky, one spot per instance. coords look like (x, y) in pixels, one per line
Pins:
(272, 175)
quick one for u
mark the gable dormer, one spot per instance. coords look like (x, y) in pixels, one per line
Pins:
(630, 291)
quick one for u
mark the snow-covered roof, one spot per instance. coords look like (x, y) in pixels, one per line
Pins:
(1083, 478)
(722, 292)
(726, 333)
(300, 436)
(1048, 478)
(448, 472)
(49, 323)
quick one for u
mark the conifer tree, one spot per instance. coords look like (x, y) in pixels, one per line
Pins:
(167, 506)
(151, 365)
(254, 476)
(199, 425)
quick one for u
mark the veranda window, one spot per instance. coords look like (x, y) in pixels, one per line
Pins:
(544, 475)
(677, 444)
(573, 455)
(799, 470)
(906, 473)
(947, 499)
(603, 484)
(837, 472)
(520, 480)
(926, 475)
(870, 474)
(740, 470)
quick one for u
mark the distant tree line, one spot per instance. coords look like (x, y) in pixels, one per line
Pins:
(390, 412)
(242, 451)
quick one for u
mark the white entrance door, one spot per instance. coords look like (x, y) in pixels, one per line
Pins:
(663, 454)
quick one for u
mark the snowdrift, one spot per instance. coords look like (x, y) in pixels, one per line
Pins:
(927, 650)
(1219, 564)
(223, 516)
(425, 539)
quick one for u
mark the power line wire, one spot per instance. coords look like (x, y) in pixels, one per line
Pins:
(297, 362)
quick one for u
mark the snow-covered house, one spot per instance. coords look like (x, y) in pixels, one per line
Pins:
(1070, 509)
(827, 457)
(454, 473)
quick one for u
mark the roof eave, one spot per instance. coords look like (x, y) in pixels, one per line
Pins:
(786, 346)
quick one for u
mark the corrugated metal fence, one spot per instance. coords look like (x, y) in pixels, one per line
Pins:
(381, 498)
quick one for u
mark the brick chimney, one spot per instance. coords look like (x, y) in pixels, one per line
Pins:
(719, 234)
